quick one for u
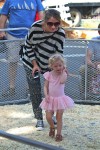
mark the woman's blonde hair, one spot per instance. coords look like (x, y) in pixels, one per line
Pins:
(55, 58)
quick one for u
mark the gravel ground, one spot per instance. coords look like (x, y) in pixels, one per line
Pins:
(81, 127)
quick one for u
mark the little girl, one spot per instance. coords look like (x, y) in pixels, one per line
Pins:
(55, 100)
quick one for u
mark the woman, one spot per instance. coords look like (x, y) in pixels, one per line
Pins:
(45, 38)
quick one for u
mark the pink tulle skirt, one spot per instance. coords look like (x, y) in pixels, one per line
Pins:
(57, 103)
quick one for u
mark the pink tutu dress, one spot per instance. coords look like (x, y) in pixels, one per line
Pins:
(57, 99)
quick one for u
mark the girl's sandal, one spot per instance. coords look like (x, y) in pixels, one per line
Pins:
(58, 138)
(52, 132)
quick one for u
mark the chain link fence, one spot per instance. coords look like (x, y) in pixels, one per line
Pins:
(75, 51)
(20, 94)
(82, 86)
(83, 83)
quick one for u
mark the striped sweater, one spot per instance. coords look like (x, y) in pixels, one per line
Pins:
(41, 45)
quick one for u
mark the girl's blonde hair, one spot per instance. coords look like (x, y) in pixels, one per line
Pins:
(55, 58)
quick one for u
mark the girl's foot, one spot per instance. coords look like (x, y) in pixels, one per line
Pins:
(58, 138)
(52, 132)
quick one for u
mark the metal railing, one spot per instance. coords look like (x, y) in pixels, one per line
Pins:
(30, 142)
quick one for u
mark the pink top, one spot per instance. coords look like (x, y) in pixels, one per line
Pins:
(57, 98)
(55, 88)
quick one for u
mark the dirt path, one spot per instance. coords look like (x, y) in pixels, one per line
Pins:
(81, 127)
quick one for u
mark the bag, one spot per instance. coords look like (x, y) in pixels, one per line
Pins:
(3, 47)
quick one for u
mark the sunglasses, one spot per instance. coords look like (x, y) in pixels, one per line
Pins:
(56, 24)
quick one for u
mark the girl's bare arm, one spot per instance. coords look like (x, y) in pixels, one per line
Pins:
(46, 89)
(63, 77)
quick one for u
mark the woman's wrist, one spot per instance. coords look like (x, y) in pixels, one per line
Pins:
(34, 63)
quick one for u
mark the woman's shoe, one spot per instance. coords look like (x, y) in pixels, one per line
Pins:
(54, 120)
(40, 125)
(58, 138)
(52, 132)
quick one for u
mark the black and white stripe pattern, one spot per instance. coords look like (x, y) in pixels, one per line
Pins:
(41, 45)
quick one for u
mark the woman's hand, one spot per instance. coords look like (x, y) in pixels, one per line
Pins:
(35, 67)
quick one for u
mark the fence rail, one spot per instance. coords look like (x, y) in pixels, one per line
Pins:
(29, 141)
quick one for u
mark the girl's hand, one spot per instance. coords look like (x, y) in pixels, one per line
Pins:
(65, 70)
(63, 76)
(47, 98)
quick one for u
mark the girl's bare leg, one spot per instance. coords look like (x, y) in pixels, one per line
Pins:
(59, 121)
(49, 115)
(51, 123)
(59, 115)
